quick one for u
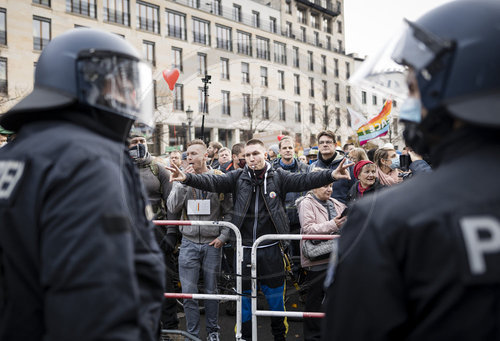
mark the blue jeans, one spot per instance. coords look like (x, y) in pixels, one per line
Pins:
(192, 256)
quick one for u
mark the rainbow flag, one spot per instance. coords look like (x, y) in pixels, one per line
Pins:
(377, 126)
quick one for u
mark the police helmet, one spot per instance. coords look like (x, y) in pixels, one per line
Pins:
(92, 68)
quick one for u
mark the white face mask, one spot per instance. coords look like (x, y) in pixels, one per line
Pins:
(2, 144)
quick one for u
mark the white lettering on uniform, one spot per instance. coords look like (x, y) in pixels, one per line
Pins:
(477, 247)
(10, 173)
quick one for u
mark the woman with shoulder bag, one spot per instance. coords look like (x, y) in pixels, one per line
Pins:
(318, 214)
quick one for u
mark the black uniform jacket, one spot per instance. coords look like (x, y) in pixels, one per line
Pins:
(421, 260)
(78, 260)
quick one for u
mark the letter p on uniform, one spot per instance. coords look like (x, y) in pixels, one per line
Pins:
(477, 244)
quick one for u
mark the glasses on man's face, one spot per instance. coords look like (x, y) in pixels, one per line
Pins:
(326, 142)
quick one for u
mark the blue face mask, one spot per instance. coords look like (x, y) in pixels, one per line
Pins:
(411, 110)
(395, 163)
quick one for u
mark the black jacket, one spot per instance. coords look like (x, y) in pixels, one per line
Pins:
(421, 260)
(78, 259)
(273, 191)
(341, 187)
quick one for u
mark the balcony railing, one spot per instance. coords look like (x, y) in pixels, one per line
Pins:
(201, 38)
(324, 6)
(148, 24)
(40, 43)
(224, 44)
(176, 32)
(118, 17)
(244, 49)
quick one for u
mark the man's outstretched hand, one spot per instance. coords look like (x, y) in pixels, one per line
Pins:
(176, 173)
(341, 171)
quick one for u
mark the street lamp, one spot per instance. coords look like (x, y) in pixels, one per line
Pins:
(189, 114)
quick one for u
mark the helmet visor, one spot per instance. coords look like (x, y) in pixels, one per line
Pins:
(118, 84)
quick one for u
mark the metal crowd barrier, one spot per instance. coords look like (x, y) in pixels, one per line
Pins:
(239, 260)
(256, 312)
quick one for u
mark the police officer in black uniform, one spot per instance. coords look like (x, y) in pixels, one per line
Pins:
(78, 259)
(421, 260)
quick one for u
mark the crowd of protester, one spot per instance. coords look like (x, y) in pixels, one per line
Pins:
(311, 205)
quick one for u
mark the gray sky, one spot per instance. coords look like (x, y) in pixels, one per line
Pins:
(370, 23)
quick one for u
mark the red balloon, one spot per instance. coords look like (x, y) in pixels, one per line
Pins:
(171, 77)
(280, 137)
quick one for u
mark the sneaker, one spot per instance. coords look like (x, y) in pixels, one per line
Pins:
(214, 336)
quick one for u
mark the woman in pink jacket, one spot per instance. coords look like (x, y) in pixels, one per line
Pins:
(318, 214)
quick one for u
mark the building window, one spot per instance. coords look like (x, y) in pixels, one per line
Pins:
(263, 48)
(336, 67)
(310, 60)
(288, 7)
(281, 109)
(339, 26)
(224, 68)
(289, 31)
(3, 26)
(236, 12)
(337, 92)
(148, 50)
(202, 64)
(148, 18)
(226, 105)
(246, 105)
(224, 37)
(301, 16)
(264, 101)
(177, 58)
(326, 117)
(201, 31)
(245, 72)
(316, 39)
(363, 97)
(117, 11)
(312, 114)
(255, 19)
(3, 76)
(281, 80)
(179, 97)
(337, 117)
(82, 7)
(263, 76)
(217, 7)
(395, 126)
(328, 42)
(325, 90)
(244, 43)
(348, 94)
(42, 2)
(154, 94)
(347, 70)
(315, 21)
(374, 100)
(311, 87)
(296, 84)
(303, 33)
(279, 52)
(341, 49)
(176, 25)
(298, 115)
(296, 57)
(272, 25)
(323, 64)
(41, 32)
(201, 99)
(327, 25)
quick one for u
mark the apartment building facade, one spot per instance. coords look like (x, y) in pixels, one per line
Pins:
(277, 65)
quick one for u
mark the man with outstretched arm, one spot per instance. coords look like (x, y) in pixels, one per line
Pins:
(258, 208)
